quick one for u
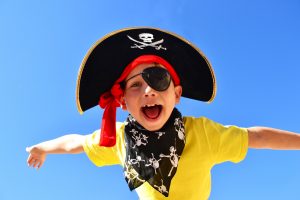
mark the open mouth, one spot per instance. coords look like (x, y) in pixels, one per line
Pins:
(152, 111)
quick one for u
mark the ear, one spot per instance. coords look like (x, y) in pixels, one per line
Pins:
(178, 93)
(123, 103)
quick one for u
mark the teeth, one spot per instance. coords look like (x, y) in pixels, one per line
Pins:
(150, 105)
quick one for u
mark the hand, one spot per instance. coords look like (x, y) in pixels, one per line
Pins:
(36, 157)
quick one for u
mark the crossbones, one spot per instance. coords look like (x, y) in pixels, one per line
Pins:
(162, 188)
(131, 175)
(147, 43)
(160, 133)
(179, 128)
(136, 160)
(139, 139)
(153, 162)
(174, 158)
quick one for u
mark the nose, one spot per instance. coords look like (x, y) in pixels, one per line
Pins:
(149, 91)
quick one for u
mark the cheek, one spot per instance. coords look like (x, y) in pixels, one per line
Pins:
(130, 101)
(171, 97)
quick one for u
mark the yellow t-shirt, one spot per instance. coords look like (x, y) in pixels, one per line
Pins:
(207, 143)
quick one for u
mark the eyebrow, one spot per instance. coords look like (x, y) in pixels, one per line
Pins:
(123, 83)
(133, 77)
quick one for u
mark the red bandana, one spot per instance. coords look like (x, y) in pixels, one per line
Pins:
(110, 100)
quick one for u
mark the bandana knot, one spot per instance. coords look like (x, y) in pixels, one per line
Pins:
(111, 97)
(109, 101)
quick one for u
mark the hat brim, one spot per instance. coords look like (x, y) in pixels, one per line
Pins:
(107, 58)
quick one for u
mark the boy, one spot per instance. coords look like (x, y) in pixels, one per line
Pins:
(164, 155)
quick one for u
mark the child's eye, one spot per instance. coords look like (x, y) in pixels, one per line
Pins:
(135, 84)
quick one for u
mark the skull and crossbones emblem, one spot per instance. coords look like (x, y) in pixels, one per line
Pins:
(179, 129)
(174, 158)
(162, 188)
(146, 40)
(136, 160)
(132, 175)
(153, 162)
(139, 138)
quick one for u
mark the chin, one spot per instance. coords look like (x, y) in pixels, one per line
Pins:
(152, 126)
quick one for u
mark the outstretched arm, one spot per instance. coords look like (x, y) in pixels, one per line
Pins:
(68, 144)
(270, 138)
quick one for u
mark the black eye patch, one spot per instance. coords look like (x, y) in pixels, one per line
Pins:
(157, 78)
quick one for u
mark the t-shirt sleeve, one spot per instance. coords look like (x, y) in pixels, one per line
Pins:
(227, 143)
(99, 155)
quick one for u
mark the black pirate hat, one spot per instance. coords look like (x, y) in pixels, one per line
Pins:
(108, 57)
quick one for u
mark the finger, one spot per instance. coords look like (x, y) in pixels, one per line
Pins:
(40, 164)
(36, 163)
(29, 159)
(31, 163)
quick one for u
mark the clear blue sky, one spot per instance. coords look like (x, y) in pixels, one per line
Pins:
(252, 45)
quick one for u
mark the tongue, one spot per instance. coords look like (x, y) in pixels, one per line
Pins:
(152, 112)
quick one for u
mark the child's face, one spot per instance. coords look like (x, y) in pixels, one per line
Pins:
(149, 107)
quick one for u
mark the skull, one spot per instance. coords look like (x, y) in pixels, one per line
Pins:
(146, 37)
(172, 149)
(156, 164)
